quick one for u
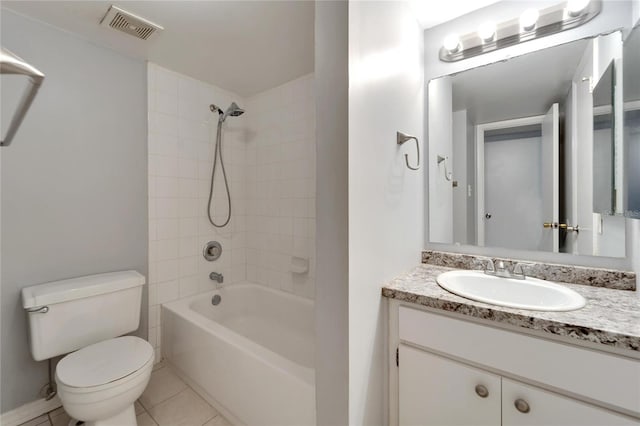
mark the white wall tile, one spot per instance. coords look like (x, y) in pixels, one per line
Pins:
(166, 81)
(168, 270)
(168, 291)
(269, 155)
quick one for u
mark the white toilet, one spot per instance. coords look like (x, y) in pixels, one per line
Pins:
(101, 380)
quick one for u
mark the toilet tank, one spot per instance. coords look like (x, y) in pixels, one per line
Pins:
(67, 315)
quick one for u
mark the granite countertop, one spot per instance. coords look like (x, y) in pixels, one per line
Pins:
(610, 317)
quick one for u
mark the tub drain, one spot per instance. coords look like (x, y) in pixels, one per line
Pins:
(215, 300)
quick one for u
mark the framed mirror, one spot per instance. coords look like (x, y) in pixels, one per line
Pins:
(514, 154)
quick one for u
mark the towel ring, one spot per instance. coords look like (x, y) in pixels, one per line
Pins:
(402, 138)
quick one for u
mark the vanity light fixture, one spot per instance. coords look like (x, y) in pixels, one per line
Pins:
(452, 43)
(529, 19)
(575, 7)
(487, 32)
(532, 24)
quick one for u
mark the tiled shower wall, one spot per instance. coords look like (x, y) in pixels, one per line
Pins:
(181, 147)
(269, 155)
(280, 176)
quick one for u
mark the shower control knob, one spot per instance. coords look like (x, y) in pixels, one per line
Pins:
(487, 215)
(212, 251)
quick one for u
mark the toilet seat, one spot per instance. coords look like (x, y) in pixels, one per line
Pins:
(104, 364)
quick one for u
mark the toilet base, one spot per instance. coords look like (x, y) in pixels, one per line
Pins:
(124, 418)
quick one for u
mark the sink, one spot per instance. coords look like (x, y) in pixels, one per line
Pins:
(530, 293)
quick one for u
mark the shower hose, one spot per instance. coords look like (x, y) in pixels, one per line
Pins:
(218, 153)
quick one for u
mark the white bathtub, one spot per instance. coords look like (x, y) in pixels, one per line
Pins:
(251, 355)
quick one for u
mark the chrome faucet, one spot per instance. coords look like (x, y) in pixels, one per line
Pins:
(500, 270)
(215, 276)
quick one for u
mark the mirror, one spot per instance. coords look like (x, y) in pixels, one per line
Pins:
(604, 192)
(631, 96)
(522, 153)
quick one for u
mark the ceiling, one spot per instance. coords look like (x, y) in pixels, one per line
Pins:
(430, 13)
(520, 87)
(242, 46)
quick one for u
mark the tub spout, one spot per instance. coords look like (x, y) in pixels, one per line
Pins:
(216, 277)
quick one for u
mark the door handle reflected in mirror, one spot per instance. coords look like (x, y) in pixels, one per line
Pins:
(563, 226)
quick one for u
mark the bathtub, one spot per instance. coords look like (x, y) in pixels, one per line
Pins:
(250, 356)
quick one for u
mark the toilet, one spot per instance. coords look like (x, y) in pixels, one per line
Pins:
(104, 372)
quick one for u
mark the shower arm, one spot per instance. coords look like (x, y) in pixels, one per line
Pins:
(12, 64)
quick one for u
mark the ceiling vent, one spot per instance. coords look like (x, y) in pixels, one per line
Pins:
(129, 23)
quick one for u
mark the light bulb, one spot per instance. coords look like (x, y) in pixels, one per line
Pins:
(487, 31)
(528, 19)
(575, 7)
(452, 43)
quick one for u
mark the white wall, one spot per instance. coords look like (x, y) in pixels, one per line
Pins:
(459, 165)
(280, 187)
(386, 210)
(74, 180)
(332, 212)
(440, 133)
(583, 149)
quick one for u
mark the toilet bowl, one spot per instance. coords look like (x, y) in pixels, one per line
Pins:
(99, 383)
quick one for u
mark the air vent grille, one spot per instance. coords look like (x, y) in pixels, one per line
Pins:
(129, 23)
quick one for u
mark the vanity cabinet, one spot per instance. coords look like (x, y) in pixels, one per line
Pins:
(456, 372)
(435, 390)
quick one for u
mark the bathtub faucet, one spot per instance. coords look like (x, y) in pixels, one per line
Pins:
(216, 277)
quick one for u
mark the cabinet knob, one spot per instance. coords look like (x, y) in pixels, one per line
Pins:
(522, 405)
(482, 391)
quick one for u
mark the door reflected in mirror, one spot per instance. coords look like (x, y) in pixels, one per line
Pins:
(524, 157)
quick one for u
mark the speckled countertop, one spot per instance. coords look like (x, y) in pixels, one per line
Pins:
(610, 317)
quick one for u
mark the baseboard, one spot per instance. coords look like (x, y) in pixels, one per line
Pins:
(29, 411)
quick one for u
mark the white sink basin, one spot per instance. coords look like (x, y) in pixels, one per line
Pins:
(530, 293)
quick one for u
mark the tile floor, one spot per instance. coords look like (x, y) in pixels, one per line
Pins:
(167, 401)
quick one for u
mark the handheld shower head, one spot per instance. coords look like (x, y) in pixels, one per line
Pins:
(234, 111)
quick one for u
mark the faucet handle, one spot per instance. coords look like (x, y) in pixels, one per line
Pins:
(490, 267)
(519, 270)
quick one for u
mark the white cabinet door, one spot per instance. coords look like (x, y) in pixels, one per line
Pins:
(437, 391)
(550, 409)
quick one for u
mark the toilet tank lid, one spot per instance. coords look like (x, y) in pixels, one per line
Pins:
(77, 288)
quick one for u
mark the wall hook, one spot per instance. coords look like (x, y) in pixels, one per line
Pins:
(402, 138)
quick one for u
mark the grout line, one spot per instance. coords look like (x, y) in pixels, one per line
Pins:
(165, 400)
(208, 420)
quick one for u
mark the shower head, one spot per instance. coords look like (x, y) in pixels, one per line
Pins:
(234, 111)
